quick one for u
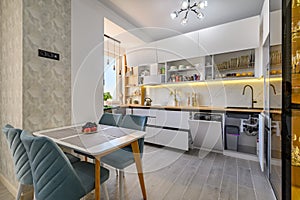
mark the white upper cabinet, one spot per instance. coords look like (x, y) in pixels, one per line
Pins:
(265, 22)
(144, 55)
(275, 27)
(233, 36)
(178, 47)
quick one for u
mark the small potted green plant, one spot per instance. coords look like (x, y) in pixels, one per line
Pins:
(106, 96)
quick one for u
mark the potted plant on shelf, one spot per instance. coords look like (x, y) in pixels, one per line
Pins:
(106, 96)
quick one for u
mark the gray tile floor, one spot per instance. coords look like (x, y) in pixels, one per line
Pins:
(195, 175)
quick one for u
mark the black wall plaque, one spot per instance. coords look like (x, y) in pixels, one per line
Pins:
(48, 54)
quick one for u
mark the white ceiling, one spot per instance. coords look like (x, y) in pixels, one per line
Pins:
(153, 16)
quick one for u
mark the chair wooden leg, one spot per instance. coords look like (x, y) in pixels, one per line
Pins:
(105, 191)
(121, 184)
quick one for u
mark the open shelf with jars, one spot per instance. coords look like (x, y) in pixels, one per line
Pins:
(235, 64)
(231, 65)
(275, 60)
(133, 93)
(193, 69)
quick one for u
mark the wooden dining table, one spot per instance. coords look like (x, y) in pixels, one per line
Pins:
(98, 144)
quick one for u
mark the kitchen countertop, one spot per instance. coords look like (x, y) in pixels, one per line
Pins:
(197, 108)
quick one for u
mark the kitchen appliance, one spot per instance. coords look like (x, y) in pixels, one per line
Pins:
(147, 101)
(206, 131)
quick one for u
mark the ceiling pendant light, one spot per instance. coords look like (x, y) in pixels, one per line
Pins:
(119, 52)
(187, 6)
(114, 66)
(107, 52)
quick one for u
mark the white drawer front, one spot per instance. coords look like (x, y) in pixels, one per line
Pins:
(172, 138)
(175, 119)
(151, 133)
(147, 112)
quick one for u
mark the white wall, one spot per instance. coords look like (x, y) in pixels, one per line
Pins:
(87, 56)
(87, 60)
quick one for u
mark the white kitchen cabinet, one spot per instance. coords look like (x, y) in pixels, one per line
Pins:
(174, 119)
(156, 134)
(275, 27)
(146, 112)
(232, 36)
(172, 138)
(154, 79)
(143, 55)
(178, 47)
(128, 111)
(151, 133)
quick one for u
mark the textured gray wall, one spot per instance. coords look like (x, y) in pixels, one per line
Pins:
(35, 92)
(46, 83)
(10, 77)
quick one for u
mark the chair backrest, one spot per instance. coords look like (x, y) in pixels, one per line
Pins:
(20, 158)
(135, 122)
(53, 175)
(110, 119)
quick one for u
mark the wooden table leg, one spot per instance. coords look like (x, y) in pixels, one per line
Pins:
(138, 163)
(97, 179)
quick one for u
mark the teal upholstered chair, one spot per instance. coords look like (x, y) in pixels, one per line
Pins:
(20, 158)
(110, 119)
(54, 177)
(122, 158)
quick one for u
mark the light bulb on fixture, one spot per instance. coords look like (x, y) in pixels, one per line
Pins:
(184, 21)
(184, 5)
(201, 5)
(174, 14)
(187, 6)
(200, 15)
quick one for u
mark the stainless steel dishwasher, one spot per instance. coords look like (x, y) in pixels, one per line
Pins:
(206, 130)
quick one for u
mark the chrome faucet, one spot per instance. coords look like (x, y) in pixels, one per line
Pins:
(252, 101)
(273, 88)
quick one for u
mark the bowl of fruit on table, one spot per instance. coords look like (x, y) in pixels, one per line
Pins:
(89, 127)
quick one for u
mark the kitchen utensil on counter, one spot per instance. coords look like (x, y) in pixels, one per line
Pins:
(147, 101)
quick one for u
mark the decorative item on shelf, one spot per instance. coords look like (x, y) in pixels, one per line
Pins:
(173, 68)
(125, 63)
(187, 6)
(295, 156)
(162, 70)
(129, 100)
(181, 67)
(194, 99)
